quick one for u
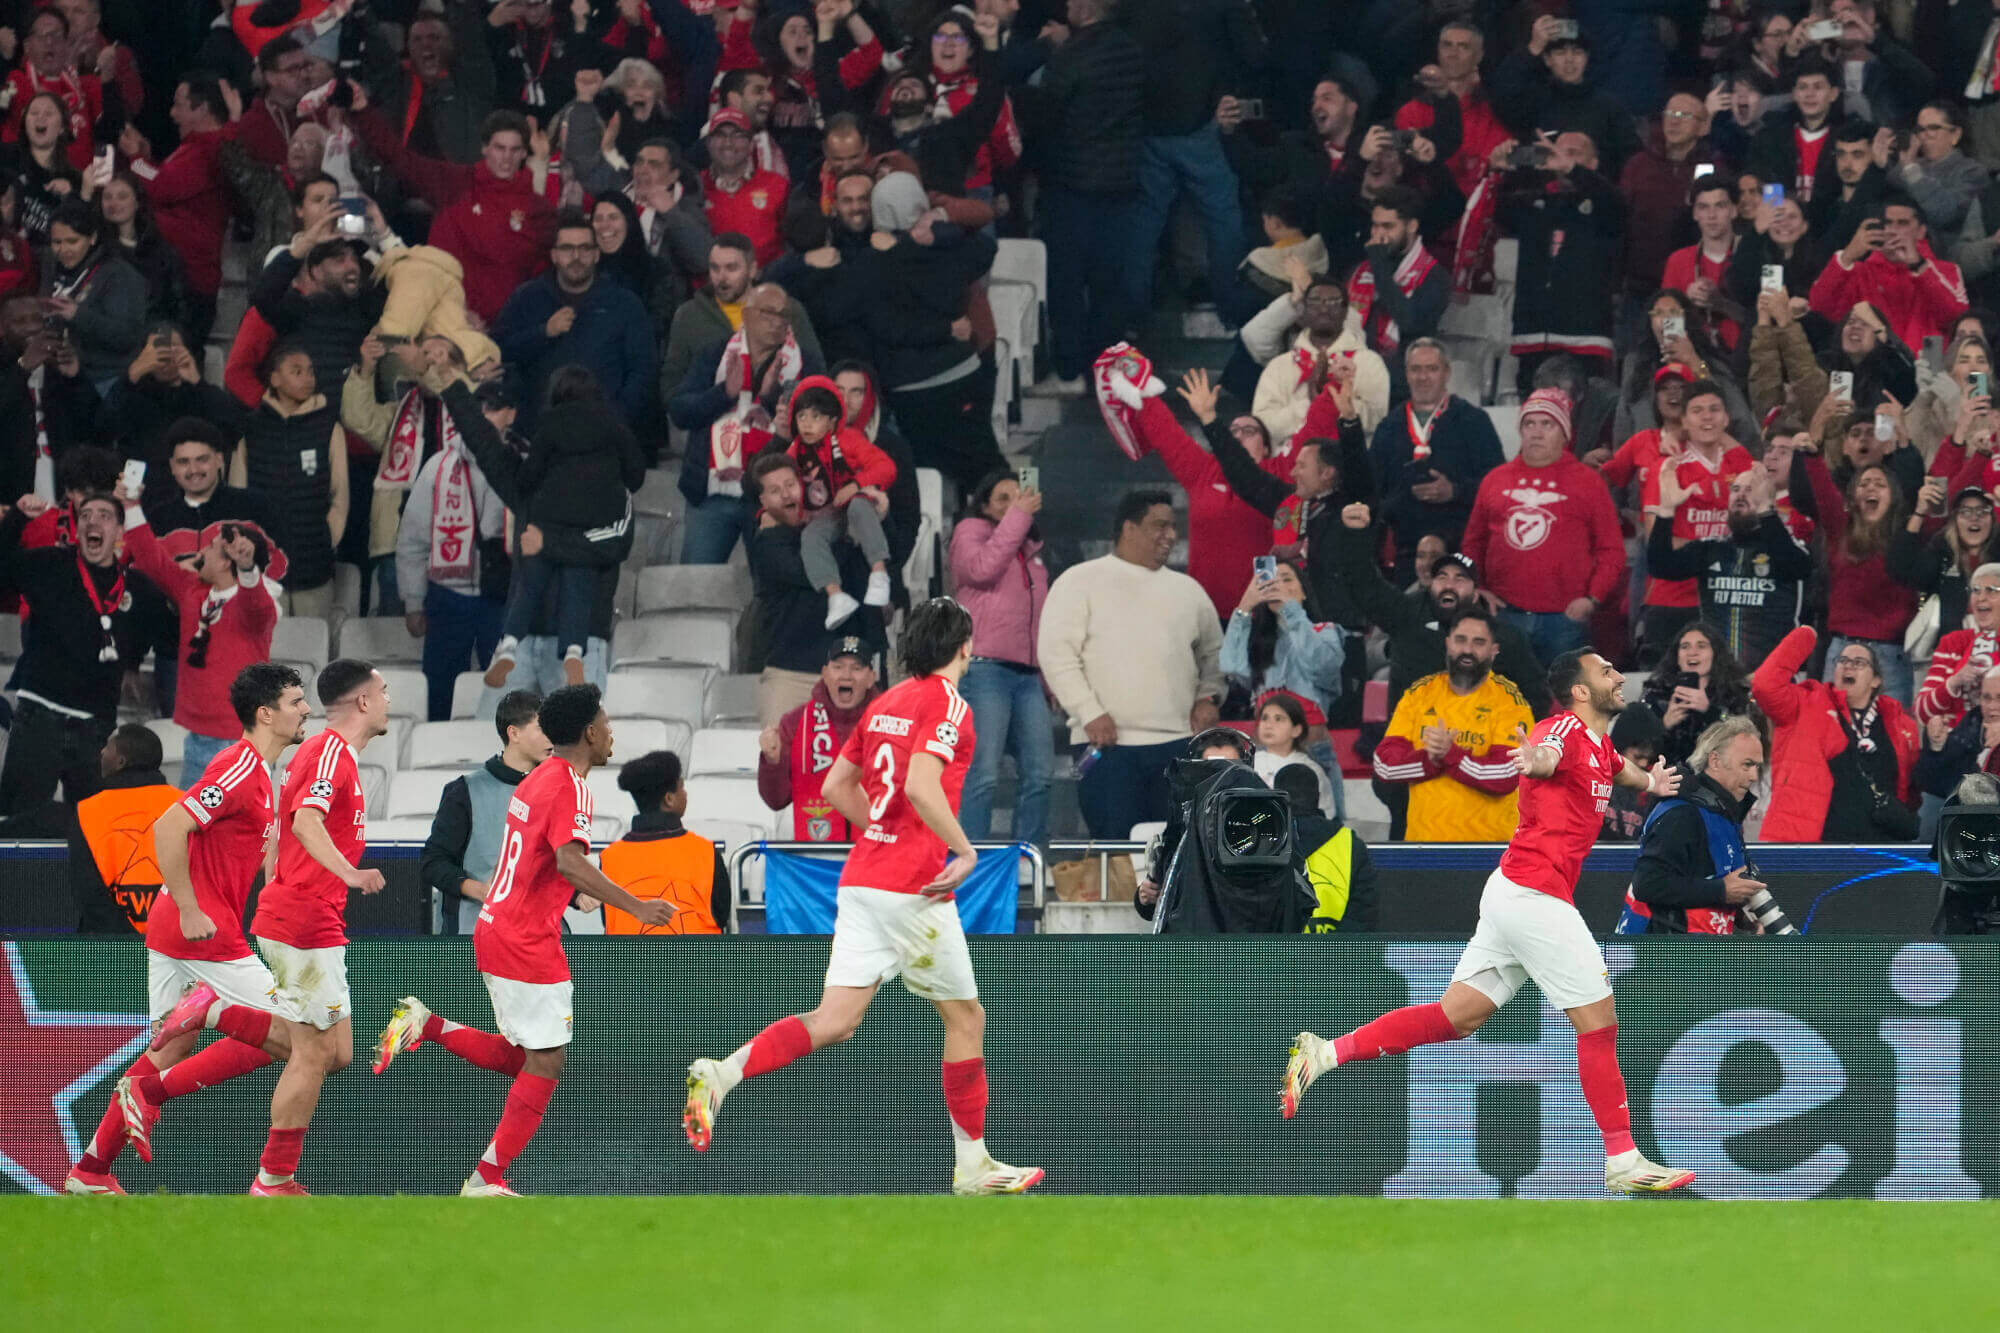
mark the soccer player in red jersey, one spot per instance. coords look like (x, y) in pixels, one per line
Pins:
(200, 972)
(899, 777)
(544, 863)
(322, 830)
(1528, 923)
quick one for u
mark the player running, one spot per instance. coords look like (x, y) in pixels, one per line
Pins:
(1528, 923)
(899, 775)
(544, 863)
(200, 972)
(322, 829)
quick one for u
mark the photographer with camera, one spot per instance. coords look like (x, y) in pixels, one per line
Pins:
(1694, 875)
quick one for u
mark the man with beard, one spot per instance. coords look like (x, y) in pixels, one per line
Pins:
(86, 634)
(331, 322)
(1751, 579)
(1451, 740)
(707, 319)
(437, 100)
(573, 315)
(798, 751)
(1324, 350)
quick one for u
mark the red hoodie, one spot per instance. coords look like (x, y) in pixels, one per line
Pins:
(845, 455)
(1917, 305)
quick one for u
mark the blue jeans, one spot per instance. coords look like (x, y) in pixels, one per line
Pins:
(197, 752)
(1899, 681)
(1550, 632)
(1009, 712)
(462, 631)
(1126, 786)
(1087, 236)
(1166, 163)
(713, 527)
(538, 667)
(576, 594)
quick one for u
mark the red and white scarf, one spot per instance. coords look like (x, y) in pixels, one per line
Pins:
(454, 515)
(744, 428)
(1416, 265)
(405, 451)
(1420, 431)
(814, 749)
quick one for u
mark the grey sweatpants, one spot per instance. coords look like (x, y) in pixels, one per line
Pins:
(858, 522)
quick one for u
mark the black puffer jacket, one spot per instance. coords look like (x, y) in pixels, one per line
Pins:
(1089, 112)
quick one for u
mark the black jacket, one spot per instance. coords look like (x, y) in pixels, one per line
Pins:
(918, 291)
(69, 408)
(1321, 517)
(1676, 870)
(1751, 588)
(332, 327)
(135, 417)
(59, 656)
(658, 825)
(1774, 156)
(582, 466)
(1463, 447)
(1528, 99)
(1572, 235)
(1928, 565)
(1196, 51)
(788, 614)
(1088, 114)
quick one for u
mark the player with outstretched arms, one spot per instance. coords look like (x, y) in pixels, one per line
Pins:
(899, 777)
(1528, 923)
(200, 972)
(544, 864)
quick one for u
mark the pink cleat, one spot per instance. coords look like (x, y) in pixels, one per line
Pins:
(140, 1116)
(190, 1015)
(81, 1181)
(282, 1190)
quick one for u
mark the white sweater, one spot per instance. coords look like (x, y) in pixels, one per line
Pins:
(1137, 643)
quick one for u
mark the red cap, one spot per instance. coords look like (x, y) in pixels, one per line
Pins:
(727, 115)
(1674, 370)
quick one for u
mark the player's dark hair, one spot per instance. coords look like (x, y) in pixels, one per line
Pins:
(1300, 787)
(342, 677)
(937, 629)
(651, 779)
(568, 712)
(260, 685)
(1133, 507)
(140, 747)
(1566, 671)
(517, 709)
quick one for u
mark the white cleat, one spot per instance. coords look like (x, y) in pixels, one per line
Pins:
(991, 1177)
(1311, 1057)
(707, 1085)
(405, 1031)
(1630, 1173)
(476, 1188)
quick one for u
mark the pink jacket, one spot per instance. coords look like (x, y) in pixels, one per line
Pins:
(1000, 578)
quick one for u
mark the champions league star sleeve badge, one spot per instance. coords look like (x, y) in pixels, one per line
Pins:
(322, 789)
(211, 797)
(582, 822)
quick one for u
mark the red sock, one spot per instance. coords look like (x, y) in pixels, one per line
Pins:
(965, 1096)
(1396, 1032)
(1604, 1087)
(281, 1152)
(215, 1063)
(477, 1048)
(249, 1026)
(777, 1046)
(109, 1140)
(527, 1102)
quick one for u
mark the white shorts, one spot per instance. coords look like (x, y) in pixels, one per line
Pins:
(878, 934)
(311, 984)
(245, 981)
(1527, 934)
(534, 1015)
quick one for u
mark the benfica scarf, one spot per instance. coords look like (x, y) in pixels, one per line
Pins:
(823, 468)
(1985, 81)
(406, 441)
(813, 751)
(1478, 230)
(742, 431)
(115, 598)
(1420, 432)
(1416, 265)
(454, 516)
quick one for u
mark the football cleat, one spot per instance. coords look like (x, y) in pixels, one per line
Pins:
(284, 1189)
(476, 1187)
(1630, 1173)
(140, 1116)
(189, 1014)
(404, 1033)
(991, 1177)
(704, 1099)
(1311, 1057)
(81, 1181)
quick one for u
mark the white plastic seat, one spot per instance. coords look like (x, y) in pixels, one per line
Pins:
(730, 798)
(703, 638)
(409, 692)
(466, 690)
(302, 639)
(658, 494)
(723, 753)
(732, 701)
(643, 735)
(379, 639)
(451, 745)
(414, 793)
(1025, 262)
(173, 739)
(606, 800)
(1507, 425)
(676, 693)
(693, 587)
(729, 835)
(401, 828)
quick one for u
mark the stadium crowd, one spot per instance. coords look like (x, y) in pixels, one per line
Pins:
(1663, 328)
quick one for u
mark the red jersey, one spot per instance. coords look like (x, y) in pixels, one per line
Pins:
(231, 806)
(898, 852)
(754, 208)
(1562, 814)
(304, 905)
(1810, 143)
(1702, 516)
(519, 935)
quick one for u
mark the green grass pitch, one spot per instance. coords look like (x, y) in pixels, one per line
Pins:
(944, 1265)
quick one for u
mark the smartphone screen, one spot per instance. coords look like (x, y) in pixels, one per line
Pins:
(1979, 389)
(1264, 568)
(1841, 384)
(135, 475)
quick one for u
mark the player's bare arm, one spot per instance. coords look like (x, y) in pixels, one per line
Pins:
(925, 789)
(309, 827)
(842, 790)
(1663, 779)
(573, 862)
(1535, 761)
(170, 848)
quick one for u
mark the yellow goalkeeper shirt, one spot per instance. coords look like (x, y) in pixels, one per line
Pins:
(1470, 795)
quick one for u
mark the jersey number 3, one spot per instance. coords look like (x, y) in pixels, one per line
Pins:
(885, 765)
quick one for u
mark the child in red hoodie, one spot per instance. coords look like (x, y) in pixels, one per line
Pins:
(846, 481)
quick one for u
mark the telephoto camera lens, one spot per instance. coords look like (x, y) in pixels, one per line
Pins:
(1764, 908)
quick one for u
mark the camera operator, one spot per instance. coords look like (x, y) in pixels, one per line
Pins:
(1693, 876)
(1224, 865)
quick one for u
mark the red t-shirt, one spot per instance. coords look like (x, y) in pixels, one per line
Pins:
(898, 852)
(754, 208)
(1562, 814)
(1702, 516)
(519, 935)
(231, 806)
(1684, 266)
(304, 905)
(1810, 144)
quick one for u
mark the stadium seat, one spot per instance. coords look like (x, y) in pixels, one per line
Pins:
(302, 639)
(635, 736)
(414, 793)
(466, 690)
(701, 638)
(173, 741)
(734, 799)
(1507, 424)
(606, 800)
(675, 693)
(1025, 262)
(658, 494)
(693, 587)
(409, 692)
(732, 701)
(346, 592)
(1375, 701)
(10, 638)
(401, 828)
(451, 745)
(379, 639)
(720, 753)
